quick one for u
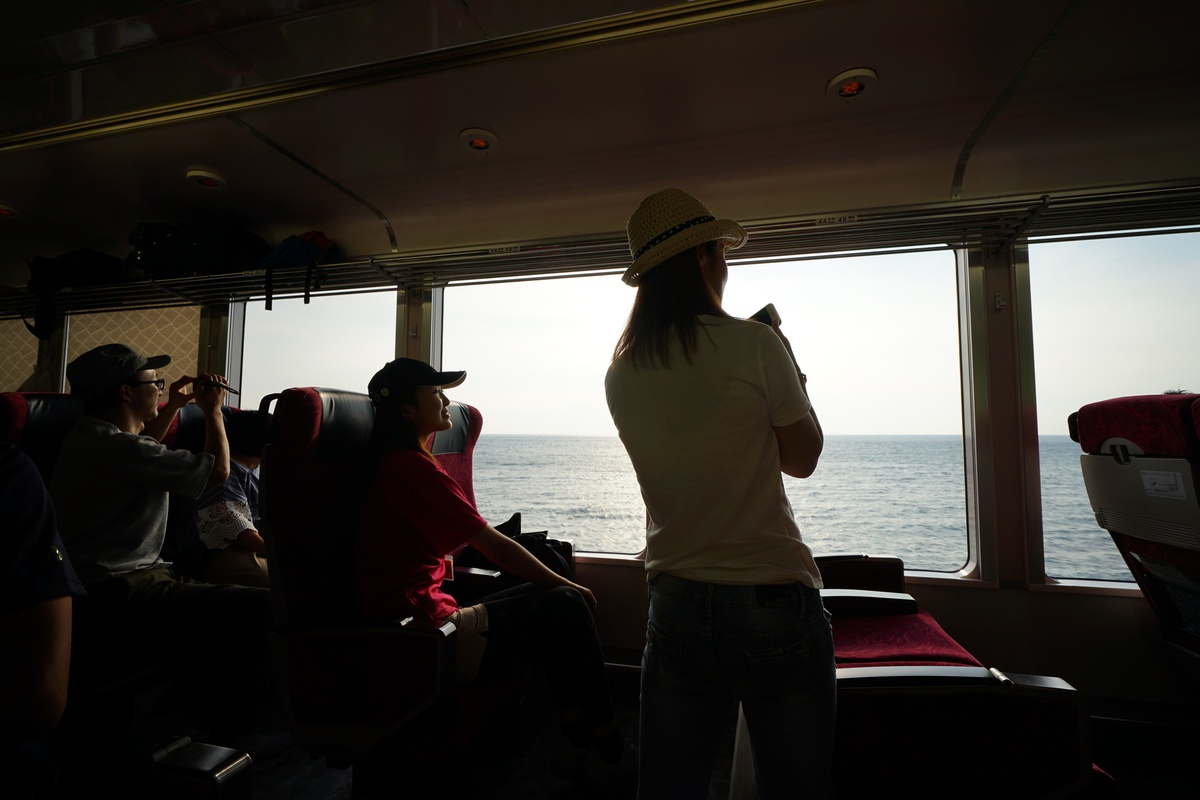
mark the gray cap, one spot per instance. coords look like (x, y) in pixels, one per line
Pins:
(107, 367)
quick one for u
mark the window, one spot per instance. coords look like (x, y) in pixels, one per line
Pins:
(336, 341)
(1111, 318)
(877, 336)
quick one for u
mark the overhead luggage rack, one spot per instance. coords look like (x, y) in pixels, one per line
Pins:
(990, 223)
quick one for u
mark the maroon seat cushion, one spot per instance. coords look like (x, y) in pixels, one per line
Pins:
(898, 640)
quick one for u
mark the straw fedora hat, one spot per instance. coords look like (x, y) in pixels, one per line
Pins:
(668, 223)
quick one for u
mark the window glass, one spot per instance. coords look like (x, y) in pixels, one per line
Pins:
(877, 336)
(1111, 318)
(336, 342)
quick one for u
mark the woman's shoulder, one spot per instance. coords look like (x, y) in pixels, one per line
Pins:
(738, 329)
(409, 459)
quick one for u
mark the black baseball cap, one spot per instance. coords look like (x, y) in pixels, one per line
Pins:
(107, 367)
(407, 373)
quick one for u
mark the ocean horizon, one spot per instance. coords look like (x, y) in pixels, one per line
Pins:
(900, 495)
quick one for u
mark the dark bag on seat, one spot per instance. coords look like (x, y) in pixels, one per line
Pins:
(190, 249)
(557, 555)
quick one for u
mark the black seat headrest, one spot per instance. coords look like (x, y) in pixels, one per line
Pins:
(345, 425)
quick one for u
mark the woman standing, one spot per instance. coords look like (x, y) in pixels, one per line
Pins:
(711, 410)
(415, 514)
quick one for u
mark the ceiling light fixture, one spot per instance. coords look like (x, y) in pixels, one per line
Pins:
(479, 141)
(206, 179)
(850, 84)
(8, 212)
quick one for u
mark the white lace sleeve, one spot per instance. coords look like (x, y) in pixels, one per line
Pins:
(219, 524)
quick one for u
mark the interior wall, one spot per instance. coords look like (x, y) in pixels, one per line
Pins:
(173, 331)
(1107, 646)
(18, 354)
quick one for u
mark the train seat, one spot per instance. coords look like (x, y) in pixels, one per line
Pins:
(101, 727)
(875, 622)
(919, 716)
(37, 422)
(377, 695)
(1140, 462)
(455, 448)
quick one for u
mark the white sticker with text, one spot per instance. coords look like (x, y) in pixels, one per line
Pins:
(1164, 484)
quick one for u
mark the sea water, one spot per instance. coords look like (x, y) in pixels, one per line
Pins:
(897, 495)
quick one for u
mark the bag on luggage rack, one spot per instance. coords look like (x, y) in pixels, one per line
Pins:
(191, 249)
(301, 250)
(48, 276)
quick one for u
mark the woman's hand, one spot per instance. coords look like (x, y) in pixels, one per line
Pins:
(511, 557)
(587, 595)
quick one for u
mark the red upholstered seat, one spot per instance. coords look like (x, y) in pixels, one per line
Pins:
(377, 694)
(1140, 462)
(1156, 425)
(897, 640)
(455, 448)
(919, 716)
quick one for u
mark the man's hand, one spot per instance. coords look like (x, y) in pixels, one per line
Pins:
(208, 395)
(175, 397)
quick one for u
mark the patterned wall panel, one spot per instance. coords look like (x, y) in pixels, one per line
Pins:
(18, 354)
(174, 331)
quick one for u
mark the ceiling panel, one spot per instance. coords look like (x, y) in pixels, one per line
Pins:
(591, 117)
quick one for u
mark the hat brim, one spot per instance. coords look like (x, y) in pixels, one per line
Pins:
(155, 362)
(448, 380)
(725, 229)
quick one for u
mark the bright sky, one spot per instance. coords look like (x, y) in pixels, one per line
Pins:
(877, 336)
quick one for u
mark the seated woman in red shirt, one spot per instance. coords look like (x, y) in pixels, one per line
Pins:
(415, 514)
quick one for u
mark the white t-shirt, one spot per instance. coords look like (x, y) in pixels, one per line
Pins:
(702, 442)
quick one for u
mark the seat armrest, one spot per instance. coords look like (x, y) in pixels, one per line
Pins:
(472, 583)
(475, 574)
(917, 676)
(864, 603)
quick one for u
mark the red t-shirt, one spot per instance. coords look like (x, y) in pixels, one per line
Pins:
(414, 515)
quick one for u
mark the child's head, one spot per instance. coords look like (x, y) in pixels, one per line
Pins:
(247, 432)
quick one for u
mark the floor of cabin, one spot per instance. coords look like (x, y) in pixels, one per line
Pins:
(527, 778)
(1150, 761)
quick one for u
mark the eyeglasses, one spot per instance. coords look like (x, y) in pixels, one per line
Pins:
(161, 383)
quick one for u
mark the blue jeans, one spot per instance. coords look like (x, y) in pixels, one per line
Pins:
(709, 646)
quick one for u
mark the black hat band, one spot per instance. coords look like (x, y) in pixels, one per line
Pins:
(662, 237)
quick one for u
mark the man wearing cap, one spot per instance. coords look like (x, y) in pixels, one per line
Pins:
(110, 489)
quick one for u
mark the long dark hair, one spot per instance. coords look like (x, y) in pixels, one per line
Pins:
(670, 297)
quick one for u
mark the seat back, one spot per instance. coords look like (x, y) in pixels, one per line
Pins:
(350, 686)
(312, 482)
(37, 422)
(455, 448)
(1140, 462)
